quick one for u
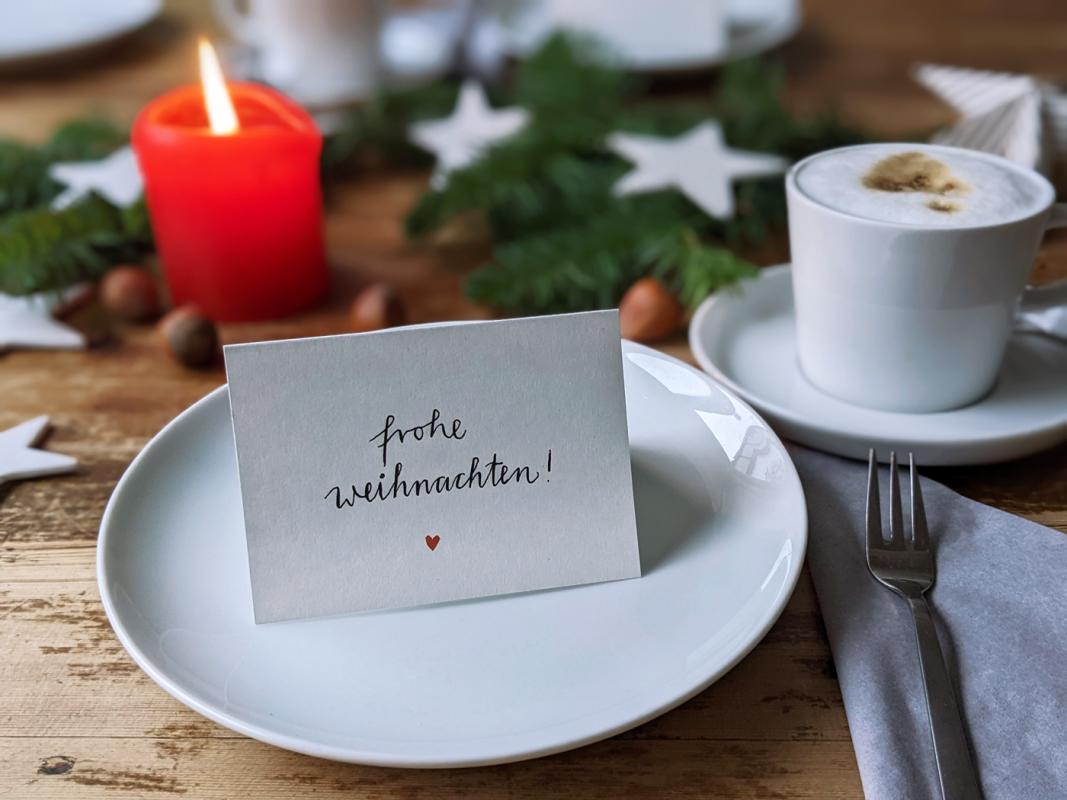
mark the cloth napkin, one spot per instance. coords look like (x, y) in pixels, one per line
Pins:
(1001, 603)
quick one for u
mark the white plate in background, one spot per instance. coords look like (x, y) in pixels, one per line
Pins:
(36, 32)
(753, 27)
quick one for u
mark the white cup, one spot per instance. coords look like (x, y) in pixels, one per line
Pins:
(319, 51)
(913, 318)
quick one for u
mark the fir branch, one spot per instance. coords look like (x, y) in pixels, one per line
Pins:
(24, 179)
(574, 99)
(525, 184)
(88, 139)
(566, 270)
(591, 262)
(378, 129)
(694, 269)
(569, 81)
(564, 242)
(46, 250)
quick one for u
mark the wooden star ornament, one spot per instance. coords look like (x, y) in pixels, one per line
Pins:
(459, 139)
(697, 163)
(19, 459)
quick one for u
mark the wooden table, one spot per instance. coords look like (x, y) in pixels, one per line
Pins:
(79, 719)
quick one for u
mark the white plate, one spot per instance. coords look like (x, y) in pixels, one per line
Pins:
(722, 525)
(747, 339)
(33, 32)
(753, 27)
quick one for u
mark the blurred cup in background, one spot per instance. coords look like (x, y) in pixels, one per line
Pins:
(318, 51)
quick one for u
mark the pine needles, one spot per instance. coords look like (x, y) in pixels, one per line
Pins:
(562, 240)
(46, 250)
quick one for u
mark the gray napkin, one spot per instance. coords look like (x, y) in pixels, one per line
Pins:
(1001, 603)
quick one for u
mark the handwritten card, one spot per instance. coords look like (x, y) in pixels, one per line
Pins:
(420, 465)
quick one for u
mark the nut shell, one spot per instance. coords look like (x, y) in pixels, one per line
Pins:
(190, 337)
(375, 307)
(649, 312)
(130, 293)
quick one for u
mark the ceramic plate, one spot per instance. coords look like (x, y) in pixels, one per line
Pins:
(747, 339)
(722, 527)
(753, 27)
(39, 31)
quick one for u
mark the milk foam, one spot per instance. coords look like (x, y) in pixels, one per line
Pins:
(989, 193)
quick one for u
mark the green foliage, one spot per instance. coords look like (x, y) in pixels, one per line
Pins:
(88, 139)
(24, 181)
(562, 240)
(44, 250)
(570, 268)
(695, 269)
(378, 129)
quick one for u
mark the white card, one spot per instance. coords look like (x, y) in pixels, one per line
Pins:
(426, 464)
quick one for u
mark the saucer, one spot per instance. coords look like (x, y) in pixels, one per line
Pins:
(752, 27)
(722, 527)
(747, 339)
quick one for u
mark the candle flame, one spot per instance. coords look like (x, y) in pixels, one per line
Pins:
(220, 111)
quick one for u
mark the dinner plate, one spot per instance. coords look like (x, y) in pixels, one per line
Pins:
(752, 27)
(747, 340)
(36, 32)
(722, 528)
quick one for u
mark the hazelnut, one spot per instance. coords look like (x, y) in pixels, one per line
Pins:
(190, 336)
(130, 293)
(648, 311)
(376, 307)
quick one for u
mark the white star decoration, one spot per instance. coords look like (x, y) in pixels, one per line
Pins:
(999, 112)
(697, 163)
(116, 178)
(28, 323)
(18, 458)
(459, 139)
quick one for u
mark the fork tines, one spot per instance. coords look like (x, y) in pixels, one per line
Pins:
(918, 537)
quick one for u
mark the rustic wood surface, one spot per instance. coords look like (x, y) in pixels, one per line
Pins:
(78, 719)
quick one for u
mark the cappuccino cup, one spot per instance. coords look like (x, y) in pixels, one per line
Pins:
(910, 265)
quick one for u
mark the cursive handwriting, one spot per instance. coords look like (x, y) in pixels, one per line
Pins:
(479, 475)
(426, 430)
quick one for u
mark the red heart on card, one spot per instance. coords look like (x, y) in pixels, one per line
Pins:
(431, 542)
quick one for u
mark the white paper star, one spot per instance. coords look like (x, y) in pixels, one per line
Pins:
(999, 112)
(18, 458)
(26, 322)
(459, 139)
(697, 163)
(116, 177)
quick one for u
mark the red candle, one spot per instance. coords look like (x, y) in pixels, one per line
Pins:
(232, 185)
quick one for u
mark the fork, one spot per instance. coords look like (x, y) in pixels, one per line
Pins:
(905, 564)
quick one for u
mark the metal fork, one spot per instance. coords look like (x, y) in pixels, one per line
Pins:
(905, 564)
